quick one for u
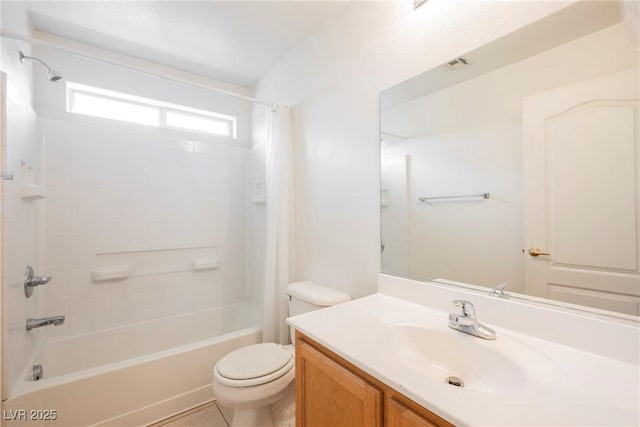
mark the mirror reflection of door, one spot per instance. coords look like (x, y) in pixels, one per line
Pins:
(581, 166)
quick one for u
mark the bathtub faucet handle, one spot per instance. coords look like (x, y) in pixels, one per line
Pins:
(31, 281)
(39, 280)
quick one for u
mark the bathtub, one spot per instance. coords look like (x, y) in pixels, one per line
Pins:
(132, 375)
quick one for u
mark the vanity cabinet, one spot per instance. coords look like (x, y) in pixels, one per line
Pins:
(333, 392)
(331, 395)
(400, 415)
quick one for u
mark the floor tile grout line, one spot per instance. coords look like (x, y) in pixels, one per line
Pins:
(187, 413)
(215, 402)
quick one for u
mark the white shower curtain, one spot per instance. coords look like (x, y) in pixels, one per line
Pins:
(278, 267)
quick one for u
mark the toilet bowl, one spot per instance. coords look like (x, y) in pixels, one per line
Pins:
(253, 378)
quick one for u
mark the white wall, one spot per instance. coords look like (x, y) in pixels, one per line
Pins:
(332, 81)
(476, 240)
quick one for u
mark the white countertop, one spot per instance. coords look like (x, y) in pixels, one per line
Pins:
(585, 388)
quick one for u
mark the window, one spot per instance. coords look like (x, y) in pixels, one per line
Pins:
(115, 109)
(178, 119)
(107, 104)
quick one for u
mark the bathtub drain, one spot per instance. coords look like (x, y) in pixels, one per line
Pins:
(454, 381)
(37, 372)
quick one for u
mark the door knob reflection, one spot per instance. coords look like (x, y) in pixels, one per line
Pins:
(537, 252)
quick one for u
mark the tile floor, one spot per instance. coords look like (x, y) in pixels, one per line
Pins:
(208, 415)
(213, 415)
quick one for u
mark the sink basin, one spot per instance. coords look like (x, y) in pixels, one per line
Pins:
(501, 366)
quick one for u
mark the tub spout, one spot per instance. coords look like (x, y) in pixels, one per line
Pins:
(45, 321)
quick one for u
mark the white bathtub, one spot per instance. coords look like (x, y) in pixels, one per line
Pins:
(133, 375)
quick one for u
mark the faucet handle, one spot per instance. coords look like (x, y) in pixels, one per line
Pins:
(39, 280)
(31, 281)
(467, 307)
(498, 291)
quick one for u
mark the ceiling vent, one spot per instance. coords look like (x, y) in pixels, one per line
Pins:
(456, 64)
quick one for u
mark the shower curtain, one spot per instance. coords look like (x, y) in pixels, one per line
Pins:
(278, 267)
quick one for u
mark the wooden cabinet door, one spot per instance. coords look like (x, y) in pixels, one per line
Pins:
(328, 394)
(399, 415)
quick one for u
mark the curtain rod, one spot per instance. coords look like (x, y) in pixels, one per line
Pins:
(16, 36)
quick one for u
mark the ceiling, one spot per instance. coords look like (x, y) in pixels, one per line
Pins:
(233, 41)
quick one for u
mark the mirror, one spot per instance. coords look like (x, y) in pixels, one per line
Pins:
(518, 163)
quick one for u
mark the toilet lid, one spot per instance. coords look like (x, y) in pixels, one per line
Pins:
(253, 361)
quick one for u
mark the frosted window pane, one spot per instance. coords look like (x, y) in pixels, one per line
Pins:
(202, 124)
(113, 109)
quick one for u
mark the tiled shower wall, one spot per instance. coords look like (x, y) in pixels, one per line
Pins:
(145, 199)
(21, 217)
(128, 196)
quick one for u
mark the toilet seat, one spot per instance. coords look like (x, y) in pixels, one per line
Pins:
(253, 365)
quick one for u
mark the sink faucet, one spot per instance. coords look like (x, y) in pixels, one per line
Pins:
(468, 323)
(499, 292)
(45, 321)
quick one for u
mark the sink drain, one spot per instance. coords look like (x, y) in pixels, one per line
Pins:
(454, 381)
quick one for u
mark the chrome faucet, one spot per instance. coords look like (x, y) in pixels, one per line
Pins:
(468, 323)
(31, 281)
(45, 321)
(498, 291)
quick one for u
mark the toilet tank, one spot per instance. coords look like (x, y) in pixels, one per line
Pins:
(307, 296)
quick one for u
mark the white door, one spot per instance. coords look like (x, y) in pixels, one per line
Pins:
(582, 193)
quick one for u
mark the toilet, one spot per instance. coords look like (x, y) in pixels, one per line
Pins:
(253, 378)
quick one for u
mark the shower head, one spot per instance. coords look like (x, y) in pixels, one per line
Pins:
(54, 75)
